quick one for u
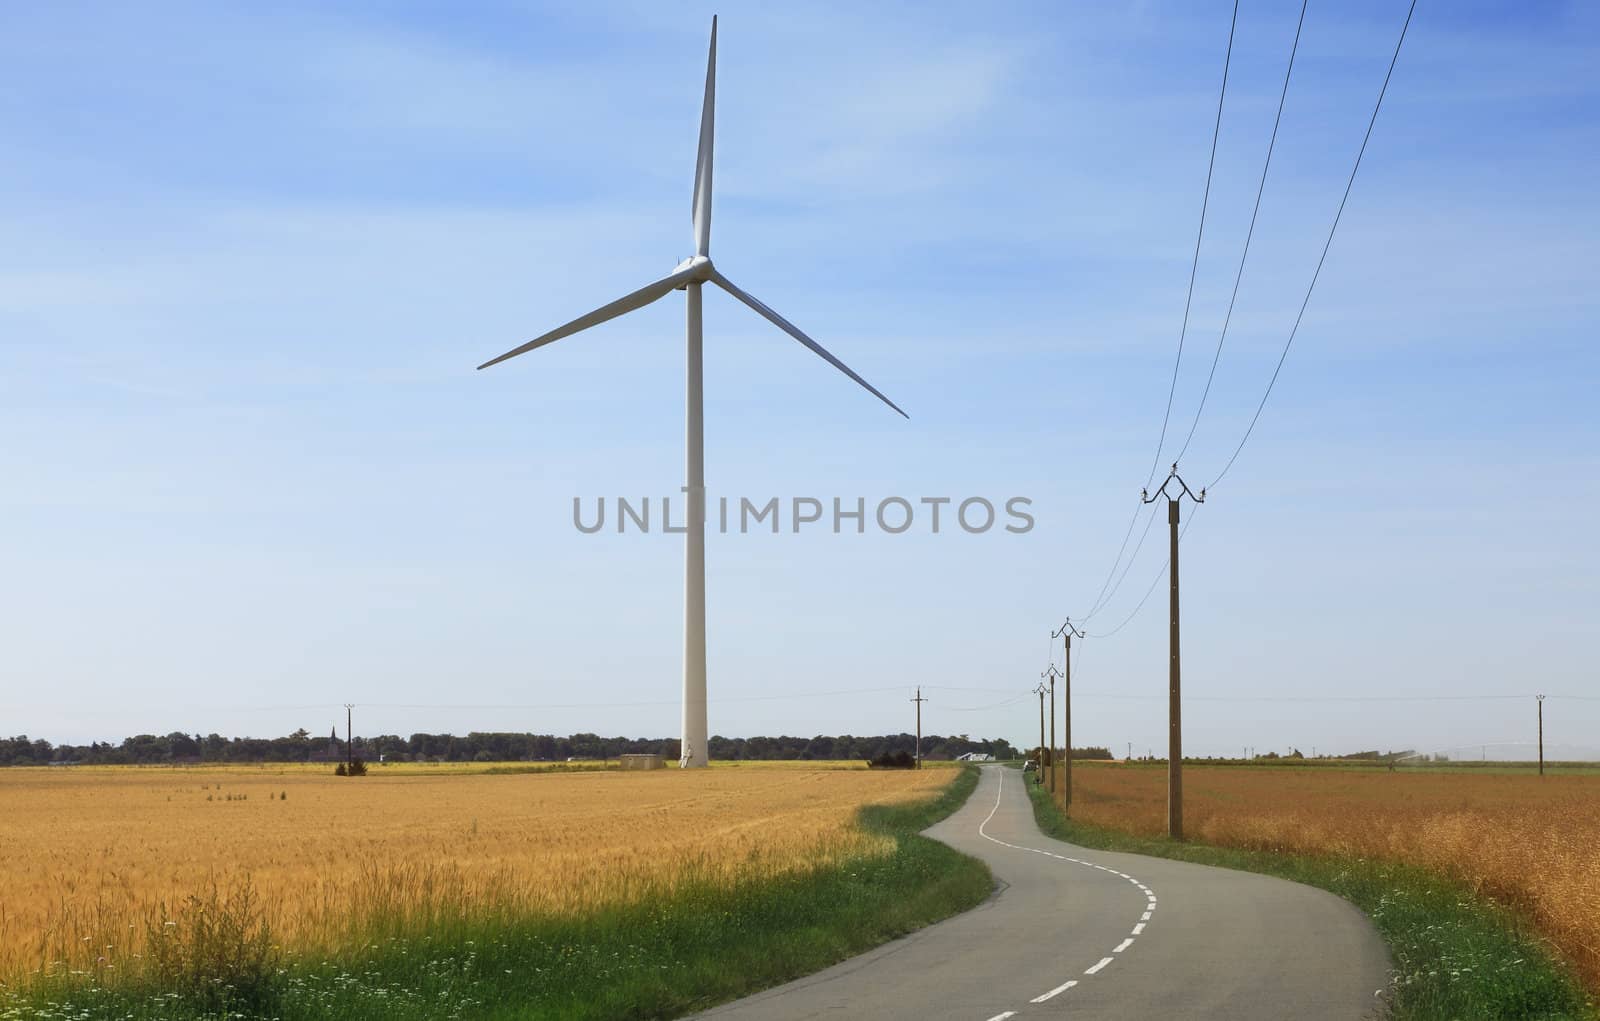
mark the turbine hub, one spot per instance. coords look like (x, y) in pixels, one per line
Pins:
(700, 264)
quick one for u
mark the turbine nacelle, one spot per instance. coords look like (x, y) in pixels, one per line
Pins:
(699, 268)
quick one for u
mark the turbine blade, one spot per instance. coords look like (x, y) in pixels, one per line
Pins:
(702, 162)
(638, 299)
(794, 331)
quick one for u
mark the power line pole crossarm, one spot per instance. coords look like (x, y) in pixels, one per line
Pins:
(1174, 661)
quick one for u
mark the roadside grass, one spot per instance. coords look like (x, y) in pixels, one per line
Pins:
(1456, 956)
(663, 956)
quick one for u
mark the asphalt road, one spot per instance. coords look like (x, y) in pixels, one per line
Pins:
(1096, 934)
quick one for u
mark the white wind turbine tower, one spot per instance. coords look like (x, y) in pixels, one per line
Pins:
(688, 276)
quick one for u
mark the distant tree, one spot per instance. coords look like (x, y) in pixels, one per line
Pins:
(893, 760)
(214, 748)
(819, 747)
(587, 746)
(181, 746)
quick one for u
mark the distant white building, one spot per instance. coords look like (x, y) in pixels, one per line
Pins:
(975, 757)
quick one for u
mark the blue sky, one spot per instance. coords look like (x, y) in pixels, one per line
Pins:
(255, 255)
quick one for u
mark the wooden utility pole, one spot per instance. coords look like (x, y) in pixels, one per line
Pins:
(1174, 696)
(1039, 778)
(1540, 699)
(1066, 632)
(1174, 664)
(919, 700)
(349, 745)
(1050, 676)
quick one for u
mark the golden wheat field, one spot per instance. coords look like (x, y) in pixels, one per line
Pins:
(90, 858)
(1527, 841)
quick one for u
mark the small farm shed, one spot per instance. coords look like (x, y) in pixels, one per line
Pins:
(643, 762)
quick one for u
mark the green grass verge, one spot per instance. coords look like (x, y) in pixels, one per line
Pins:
(1456, 956)
(662, 957)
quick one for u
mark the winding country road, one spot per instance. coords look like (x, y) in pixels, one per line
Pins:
(1097, 934)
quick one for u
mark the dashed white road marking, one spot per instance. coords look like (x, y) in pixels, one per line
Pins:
(1063, 987)
(1120, 947)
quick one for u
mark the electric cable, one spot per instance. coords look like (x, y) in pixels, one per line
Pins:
(1238, 276)
(1194, 266)
(1153, 582)
(1325, 246)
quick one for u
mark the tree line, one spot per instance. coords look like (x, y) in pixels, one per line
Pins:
(1050, 755)
(178, 748)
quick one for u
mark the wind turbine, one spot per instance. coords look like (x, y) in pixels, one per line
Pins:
(688, 276)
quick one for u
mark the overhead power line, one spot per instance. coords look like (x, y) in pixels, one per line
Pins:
(1007, 689)
(1200, 234)
(1349, 184)
(985, 708)
(1103, 596)
(1153, 582)
(1100, 597)
(1132, 559)
(1255, 212)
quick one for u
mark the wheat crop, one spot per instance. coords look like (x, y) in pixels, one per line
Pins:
(91, 859)
(1529, 842)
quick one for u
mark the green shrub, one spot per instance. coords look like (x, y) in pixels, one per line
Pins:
(215, 950)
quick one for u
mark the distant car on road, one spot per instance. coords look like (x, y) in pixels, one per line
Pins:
(1029, 766)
